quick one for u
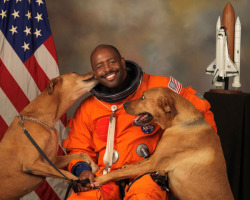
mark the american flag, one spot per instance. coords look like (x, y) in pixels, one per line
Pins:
(28, 61)
(174, 85)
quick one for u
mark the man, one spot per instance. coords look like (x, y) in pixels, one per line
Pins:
(101, 127)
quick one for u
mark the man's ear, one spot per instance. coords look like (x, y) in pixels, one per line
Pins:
(52, 84)
(123, 63)
(166, 103)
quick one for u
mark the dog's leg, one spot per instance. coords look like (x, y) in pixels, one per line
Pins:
(41, 168)
(62, 161)
(130, 171)
(138, 163)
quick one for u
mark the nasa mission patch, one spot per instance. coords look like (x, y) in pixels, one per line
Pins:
(148, 129)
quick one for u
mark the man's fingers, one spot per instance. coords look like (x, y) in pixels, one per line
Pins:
(86, 174)
(91, 179)
(84, 188)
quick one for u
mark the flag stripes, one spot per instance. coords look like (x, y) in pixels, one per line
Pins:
(45, 191)
(3, 126)
(7, 110)
(16, 68)
(43, 57)
(37, 73)
(12, 89)
(49, 44)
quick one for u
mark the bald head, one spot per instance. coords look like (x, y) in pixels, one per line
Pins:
(101, 47)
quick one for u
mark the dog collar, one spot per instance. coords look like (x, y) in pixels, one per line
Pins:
(22, 118)
(111, 98)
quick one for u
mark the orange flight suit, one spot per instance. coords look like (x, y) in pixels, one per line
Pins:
(88, 133)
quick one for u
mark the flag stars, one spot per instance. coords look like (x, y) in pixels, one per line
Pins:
(6, 0)
(39, 17)
(3, 14)
(39, 2)
(15, 14)
(27, 31)
(28, 15)
(25, 46)
(37, 33)
(13, 30)
(18, 0)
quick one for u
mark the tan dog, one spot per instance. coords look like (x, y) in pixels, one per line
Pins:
(189, 150)
(22, 168)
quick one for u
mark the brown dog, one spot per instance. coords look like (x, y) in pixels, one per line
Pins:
(189, 151)
(22, 168)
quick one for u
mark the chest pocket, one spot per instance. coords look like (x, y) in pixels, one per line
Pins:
(102, 126)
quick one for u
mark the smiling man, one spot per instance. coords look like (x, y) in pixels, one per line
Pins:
(109, 67)
(102, 129)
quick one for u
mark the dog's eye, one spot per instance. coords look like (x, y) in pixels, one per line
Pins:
(142, 97)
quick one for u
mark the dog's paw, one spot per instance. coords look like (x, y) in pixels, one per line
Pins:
(96, 184)
(98, 181)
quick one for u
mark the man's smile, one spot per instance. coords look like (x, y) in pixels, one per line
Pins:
(110, 76)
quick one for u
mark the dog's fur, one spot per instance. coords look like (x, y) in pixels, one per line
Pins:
(22, 168)
(189, 151)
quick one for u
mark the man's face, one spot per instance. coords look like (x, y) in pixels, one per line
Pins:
(109, 68)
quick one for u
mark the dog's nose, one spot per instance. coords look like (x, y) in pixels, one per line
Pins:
(125, 105)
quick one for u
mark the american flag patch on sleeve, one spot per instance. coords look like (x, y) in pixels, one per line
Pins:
(174, 85)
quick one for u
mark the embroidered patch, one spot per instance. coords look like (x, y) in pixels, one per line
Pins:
(148, 129)
(174, 85)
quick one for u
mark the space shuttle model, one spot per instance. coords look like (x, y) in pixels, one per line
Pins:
(227, 60)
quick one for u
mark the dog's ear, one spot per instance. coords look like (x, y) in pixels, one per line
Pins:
(167, 105)
(52, 84)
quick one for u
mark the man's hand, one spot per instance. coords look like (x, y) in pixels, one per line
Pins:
(86, 174)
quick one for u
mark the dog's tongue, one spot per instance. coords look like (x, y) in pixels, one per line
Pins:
(140, 119)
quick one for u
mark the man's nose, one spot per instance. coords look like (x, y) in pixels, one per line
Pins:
(107, 67)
